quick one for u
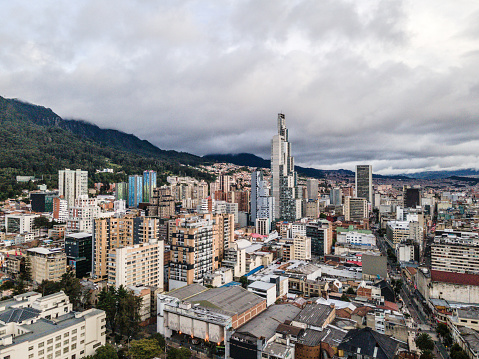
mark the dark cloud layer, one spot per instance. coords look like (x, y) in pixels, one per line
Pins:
(392, 83)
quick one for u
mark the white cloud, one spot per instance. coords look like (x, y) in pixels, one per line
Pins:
(393, 83)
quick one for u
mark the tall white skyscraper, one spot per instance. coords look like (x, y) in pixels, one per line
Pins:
(364, 182)
(283, 177)
(262, 204)
(72, 184)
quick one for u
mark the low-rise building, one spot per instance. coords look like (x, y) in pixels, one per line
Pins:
(47, 263)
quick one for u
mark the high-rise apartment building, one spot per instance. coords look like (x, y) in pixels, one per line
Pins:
(451, 253)
(262, 204)
(112, 233)
(121, 191)
(139, 264)
(283, 176)
(355, 209)
(149, 184)
(321, 234)
(47, 263)
(364, 182)
(312, 187)
(162, 203)
(336, 196)
(192, 250)
(135, 190)
(72, 184)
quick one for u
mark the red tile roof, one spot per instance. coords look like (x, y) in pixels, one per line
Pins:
(455, 278)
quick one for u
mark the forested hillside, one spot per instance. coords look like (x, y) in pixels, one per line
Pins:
(36, 141)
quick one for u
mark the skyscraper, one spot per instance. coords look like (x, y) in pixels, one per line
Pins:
(364, 182)
(135, 190)
(312, 186)
(72, 184)
(149, 183)
(283, 177)
(262, 204)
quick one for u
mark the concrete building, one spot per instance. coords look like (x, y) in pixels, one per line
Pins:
(47, 263)
(116, 232)
(162, 203)
(206, 314)
(82, 214)
(283, 176)
(34, 327)
(336, 196)
(357, 237)
(121, 191)
(355, 209)
(455, 254)
(78, 249)
(263, 226)
(60, 210)
(374, 266)
(192, 250)
(262, 203)
(19, 223)
(253, 339)
(136, 265)
(235, 258)
(321, 234)
(72, 184)
(265, 290)
(364, 182)
(312, 188)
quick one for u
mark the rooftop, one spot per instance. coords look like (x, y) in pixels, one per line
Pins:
(266, 323)
(455, 278)
(314, 314)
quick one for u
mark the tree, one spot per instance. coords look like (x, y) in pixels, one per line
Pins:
(427, 354)
(26, 270)
(350, 291)
(72, 287)
(160, 339)
(145, 349)
(41, 222)
(47, 287)
(442, 330)
(244, 281)
(20, 288)
(424, 342)
(181, 353)
(105, 352)
(345, 298)
(457, 352)
(107, 302)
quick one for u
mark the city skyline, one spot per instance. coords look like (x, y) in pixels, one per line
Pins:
(386, 83)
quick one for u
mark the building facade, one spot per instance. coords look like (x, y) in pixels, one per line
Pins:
(364, 182)
(284, 184)
(72, 184)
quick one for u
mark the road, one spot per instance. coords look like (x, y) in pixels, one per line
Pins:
(422, 324)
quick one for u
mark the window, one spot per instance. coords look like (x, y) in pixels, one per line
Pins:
(40, 345)
(58, 345)
(65, 350)
(74, 331)
(50, 341)
(96, 345)
(66, 334)
(58, 353)
(30, 348)
(59, 337)
(40, 352)
(65, 342)
(74, 346)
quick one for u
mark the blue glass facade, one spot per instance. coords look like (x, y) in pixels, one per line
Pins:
(149, 182)
(135, 190)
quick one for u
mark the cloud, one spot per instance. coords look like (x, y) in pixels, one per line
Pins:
(392, 83)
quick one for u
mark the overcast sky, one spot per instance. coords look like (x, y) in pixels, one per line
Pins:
(390, 83)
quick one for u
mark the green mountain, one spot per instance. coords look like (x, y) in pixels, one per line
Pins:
(36, 141)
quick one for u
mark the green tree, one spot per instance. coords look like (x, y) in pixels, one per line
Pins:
(457, 352)
(47, 287)
(145, 349)
(72, 287)
(350, 291)
(41, 222)
(345, 298)
(107, 302)
(182, 353)
(427, 354)
(26, 270)
(244, 281)
(105, 352)
(424, 342)
(20, 287)
(160, 339)
(442, 330)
